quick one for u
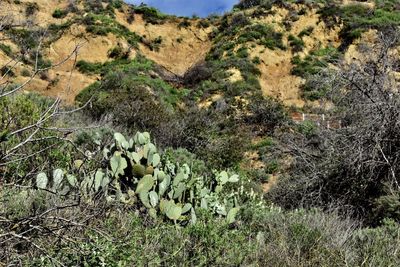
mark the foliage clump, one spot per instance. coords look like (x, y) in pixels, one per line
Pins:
(100, 24)
(59, 13)
(150, 14)
(316, 63)
(262, 34)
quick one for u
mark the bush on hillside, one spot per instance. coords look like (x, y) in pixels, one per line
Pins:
(150, 14)
(266, 114)
(59, 14)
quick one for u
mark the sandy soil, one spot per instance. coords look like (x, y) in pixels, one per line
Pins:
(180, 48)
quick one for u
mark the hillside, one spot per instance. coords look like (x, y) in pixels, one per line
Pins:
(176, 44)
(72, 30)
(267, 136)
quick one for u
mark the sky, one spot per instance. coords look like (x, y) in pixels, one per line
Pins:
(201, 8)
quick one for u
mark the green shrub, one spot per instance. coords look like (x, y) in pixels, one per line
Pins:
(242, 52)
(59, 14)
(6, 49)
(267, 114)
(256, 60)
(306, 32)
(263, 35)
(21, 203)
(96, 6)
(28, 41)
(151, 14)
(20, 111)
(100, 24)
(313, 63)
(43, 63)
(24, 38)
(127, 83)
(377, 247)
(198, 166)
(317, 62)
(388, 205)
(116, 3)
(58, 29)
(118, 52)
(307, 128)
(155, 44)
(297, 44)
(25, 73)
(235, 25)
(87, 67)
(7, 71)
(245, 4)
(204, 23)
(184, 24)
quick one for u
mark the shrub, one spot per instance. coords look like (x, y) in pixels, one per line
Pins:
(388, 205)
(20, 111)
(26, 39)
(263, 35)
(87, 67)
(58, 13)
(315, 62)
(96, 6)
(200, 72)
(31, 8)
(245, 4)
(197, 166)
(116, 3)
(6, 49)
(150, 14)
(25, 73)
(203, 23)
(155, 44)
(256, 60)
(306, 32)
(297, 44)
(109, 25)
(266, 114)
(184, 24)
(118, 52)
(242, 52)
(7, 71)
(237, 22)
(134, 98)
(377, 246)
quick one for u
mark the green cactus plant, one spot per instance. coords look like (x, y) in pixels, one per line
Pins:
(136, 171)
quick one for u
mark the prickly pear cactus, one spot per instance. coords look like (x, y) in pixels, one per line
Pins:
(135, 173)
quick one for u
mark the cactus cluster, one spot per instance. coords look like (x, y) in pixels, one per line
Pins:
(134, 173)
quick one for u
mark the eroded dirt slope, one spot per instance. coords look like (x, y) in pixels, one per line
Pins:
(180, 47)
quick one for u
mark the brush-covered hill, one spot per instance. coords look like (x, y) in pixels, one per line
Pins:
(96, 28)
(282, 41)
